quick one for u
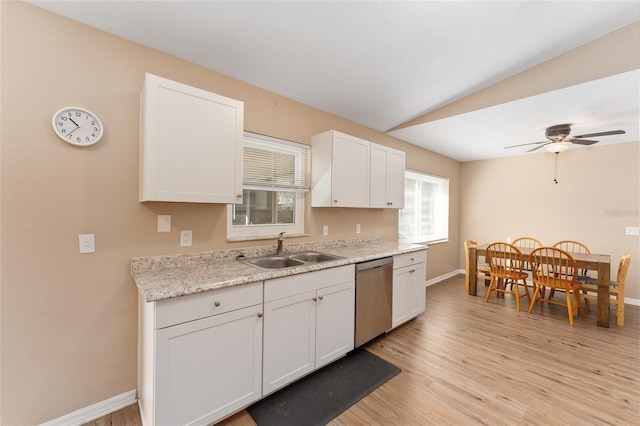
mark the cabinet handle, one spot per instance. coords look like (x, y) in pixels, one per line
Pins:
(389, 204)
(259, 314)
(238, 196)
(216, 303)
(314, 298)
(335, 201)
(411, 259)
(412, 271)
(320, 297)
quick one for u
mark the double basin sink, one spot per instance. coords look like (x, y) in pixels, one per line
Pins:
(269, 263)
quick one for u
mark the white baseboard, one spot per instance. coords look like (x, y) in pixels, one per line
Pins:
(436, 280)
(95, 411)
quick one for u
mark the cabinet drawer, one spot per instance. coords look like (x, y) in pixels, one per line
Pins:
(406, 259)
(192, 307)
(310, 281)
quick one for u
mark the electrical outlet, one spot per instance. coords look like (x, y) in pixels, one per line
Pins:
(186, 238)
(325, 230)
(632, 230)
(87, 243)
(357, 228)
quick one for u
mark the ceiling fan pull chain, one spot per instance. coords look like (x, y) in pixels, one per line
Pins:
(555, 169)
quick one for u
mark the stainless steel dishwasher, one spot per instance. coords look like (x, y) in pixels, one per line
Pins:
(374, 292)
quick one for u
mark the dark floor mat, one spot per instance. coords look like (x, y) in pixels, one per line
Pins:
(323, 395)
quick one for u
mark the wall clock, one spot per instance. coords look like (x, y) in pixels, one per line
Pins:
(77, 126)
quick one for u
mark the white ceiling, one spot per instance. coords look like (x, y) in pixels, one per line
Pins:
(383, 63)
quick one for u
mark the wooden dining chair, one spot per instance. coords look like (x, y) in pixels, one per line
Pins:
(482, 269)
(505, 263)
(616, 288)
(528, 243)
(550, 268)
(574, 247)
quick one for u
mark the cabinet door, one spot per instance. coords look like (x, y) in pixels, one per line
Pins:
(408, 293)
(387, 177)
(400, 305)
(191, 147)
(209, 368)
(350, 171)
(335, 311)
(417, 290)
(395, 179)
(379, 159)
(289, 340)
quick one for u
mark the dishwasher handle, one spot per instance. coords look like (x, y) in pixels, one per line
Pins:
(378, 263)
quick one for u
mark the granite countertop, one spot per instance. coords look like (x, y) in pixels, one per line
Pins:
(164, 277)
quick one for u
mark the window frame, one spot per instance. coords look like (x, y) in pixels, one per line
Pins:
(442, 198)
(264, 231)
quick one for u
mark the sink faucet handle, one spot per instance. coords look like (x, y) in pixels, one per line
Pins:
(281, 236)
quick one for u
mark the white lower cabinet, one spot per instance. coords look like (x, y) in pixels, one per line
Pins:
(409, 281)
(206, 367)
(308, 322)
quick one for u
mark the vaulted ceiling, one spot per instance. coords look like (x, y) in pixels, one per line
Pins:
(385, 63)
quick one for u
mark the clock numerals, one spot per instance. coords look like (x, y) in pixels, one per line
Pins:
(77, 126)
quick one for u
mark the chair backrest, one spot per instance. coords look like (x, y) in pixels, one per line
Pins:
(526, 242)
(623, 268)
(503, 258)
(551, 267)
(572, 246)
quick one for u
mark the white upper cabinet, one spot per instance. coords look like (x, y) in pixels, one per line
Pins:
(387, 177)
(339, 170)
(347, 171)
(191, 144)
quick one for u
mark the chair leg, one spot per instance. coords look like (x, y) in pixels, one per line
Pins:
(586, 300)
(576, 295)
(517, 293)
(491, 285)
(619, 311)
(534, 300)
(526, 290)
(569, 307)
(543, 292)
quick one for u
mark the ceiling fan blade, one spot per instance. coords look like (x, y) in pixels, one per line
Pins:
(583, 142)
(611, 132)
(538, 147)
(524, 144)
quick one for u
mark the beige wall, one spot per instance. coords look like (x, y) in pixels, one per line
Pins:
(69, 320)
(596, 197)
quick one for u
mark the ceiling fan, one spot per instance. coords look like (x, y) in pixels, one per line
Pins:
(559, 139)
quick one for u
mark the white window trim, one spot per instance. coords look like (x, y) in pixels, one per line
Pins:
(444, 216)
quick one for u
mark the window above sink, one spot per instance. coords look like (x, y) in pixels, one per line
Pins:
(274, 187)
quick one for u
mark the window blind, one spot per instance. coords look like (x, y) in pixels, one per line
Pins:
(274, 164)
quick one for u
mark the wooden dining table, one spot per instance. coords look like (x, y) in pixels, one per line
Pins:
(591, 262)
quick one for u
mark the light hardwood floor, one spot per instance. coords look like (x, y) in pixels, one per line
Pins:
(467, 362)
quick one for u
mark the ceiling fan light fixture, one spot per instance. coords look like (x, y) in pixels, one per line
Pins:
(558, 146)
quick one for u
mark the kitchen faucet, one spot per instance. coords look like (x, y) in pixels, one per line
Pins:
(279, 249)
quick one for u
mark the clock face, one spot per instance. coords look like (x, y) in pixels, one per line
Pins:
(77, 126)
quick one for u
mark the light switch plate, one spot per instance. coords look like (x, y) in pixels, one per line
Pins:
(357, 228)
(325, 230)
(87, 243)
(632, 230)
(164, 223)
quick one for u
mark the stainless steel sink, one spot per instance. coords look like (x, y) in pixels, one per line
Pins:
(312, 257)
(290, 260)
(274, 262)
